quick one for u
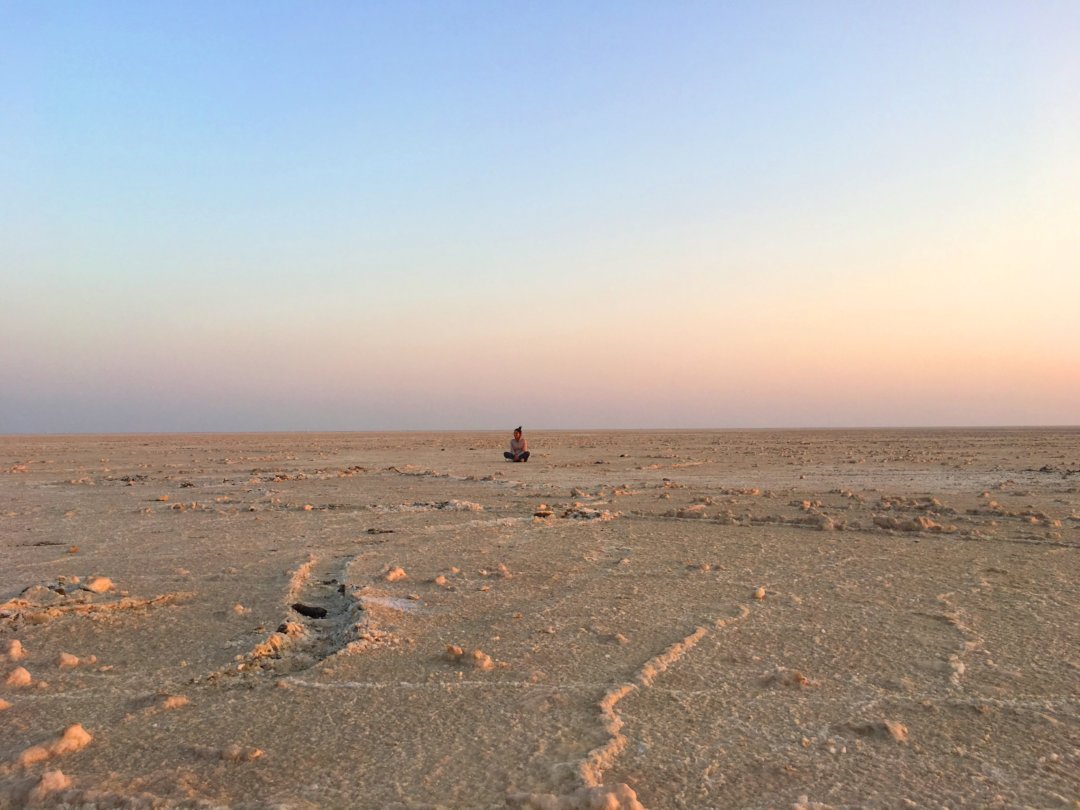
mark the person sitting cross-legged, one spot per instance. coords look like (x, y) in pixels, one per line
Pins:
(519, 448)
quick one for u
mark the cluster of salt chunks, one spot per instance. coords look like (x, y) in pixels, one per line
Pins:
(74, 738)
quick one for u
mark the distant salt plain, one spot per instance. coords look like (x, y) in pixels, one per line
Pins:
(632, 619)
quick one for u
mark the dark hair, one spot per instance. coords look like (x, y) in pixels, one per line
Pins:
(517, 429)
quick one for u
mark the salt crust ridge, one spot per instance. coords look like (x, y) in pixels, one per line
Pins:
(593, 793)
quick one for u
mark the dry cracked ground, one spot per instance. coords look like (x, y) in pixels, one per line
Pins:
(632, 619)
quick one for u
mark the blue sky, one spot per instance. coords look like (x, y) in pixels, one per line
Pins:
(419, 215)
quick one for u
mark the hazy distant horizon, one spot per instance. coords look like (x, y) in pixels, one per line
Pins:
(535, 430)
(410, 215)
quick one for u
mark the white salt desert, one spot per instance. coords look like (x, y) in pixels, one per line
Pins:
(632, 619)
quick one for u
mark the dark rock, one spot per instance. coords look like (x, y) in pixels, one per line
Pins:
(311, 611)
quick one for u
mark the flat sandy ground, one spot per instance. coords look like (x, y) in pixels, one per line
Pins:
(658, 619)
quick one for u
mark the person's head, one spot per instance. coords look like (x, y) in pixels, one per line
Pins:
(517, 433)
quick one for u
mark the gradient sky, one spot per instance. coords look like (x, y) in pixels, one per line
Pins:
(287, 216)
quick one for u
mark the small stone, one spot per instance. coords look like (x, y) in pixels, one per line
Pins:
(19, 676)
(99, 584)
(15, 651)
(441, 581)
(71, 550)
(481, 660)
(75, 738)
(33, 755)
(4, 705)
(891, 729)
(173, 701)
(786, 677)
(238, 753)
(759, 594)
(395, 573)
(308, 507)
(454, 652)
(50, 782)
(67, 661)
(898, 731)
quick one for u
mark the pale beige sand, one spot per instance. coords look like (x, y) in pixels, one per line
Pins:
(666, 620)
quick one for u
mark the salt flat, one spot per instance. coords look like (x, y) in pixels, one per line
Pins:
(660, 619)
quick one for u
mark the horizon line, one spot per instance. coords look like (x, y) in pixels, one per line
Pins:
(311, 431)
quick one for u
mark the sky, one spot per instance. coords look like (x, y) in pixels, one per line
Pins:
(253, 216)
